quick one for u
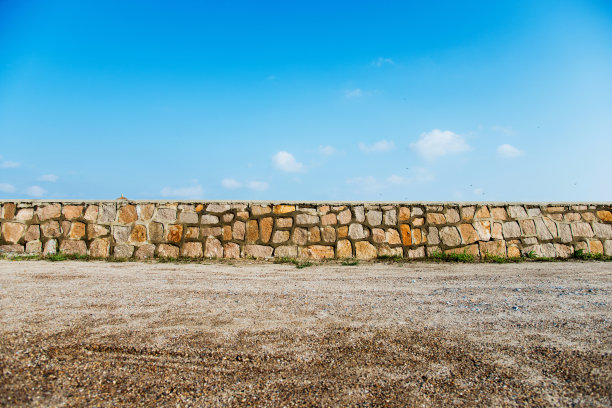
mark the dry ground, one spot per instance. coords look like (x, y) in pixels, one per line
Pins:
(416, 334)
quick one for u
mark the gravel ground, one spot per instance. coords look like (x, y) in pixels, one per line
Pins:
(415, 334)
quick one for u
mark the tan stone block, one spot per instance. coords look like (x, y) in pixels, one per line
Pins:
(314, 234)
(47, 212)
(374, 217)
(404, 213)
(284, 222)
(50, 247)
(417, 252)
(165, 215)
(12, 231)
(127, 214)
(406, 234)
(588, 217)
(258, 251)
(280, 236)
(563, 251)
(605, 215)
(229, 217)
(227, 232)
(468, 249)
(145, 213)
(188, 217)
(596, 247)
(555, 209)
(65, 228)
(386, 250)
(96, 231)
(260, 209)
(329, 219)
(210, 232)
(496, 231)
(14, 248)
(175, 233)
(511, 229)
(286, 251)
(252, 231)
(417, 222)
(214, 249)
(528, 227)
(572, 217)
(238, 231)
(556, 217)
(243, 215)
(450, 236)
(467, 213)
(32, 233)
(342, 232)
(499, 213)
(8, 211)
(73, 247)
(72, 211)
(323, 209)
(434, 218)
(91, 213)
(99, 248)
(199, 207)
(300, 236)
(344, 249)
(139, 234)
(231, 250)
(33, 247)
(452, 215)
(514, 252)
(378, 235)
(208, 219)
(50, 229)
(156, 232)
(25, 214)
(483, 212)
(265, 226)
(417, 236)
(344, 217)
(468, 233)
(494, 248)
(483, 229)
(392, 237)
(365, 250)
(582, 229)
(217, 208)
(328, 233)
(146, 251)
(283, 209)
(192, 232)
(167, 251)
(77, 230)
(306, 219)
(318, 252)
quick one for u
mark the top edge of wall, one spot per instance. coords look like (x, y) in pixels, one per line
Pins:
(38, 201)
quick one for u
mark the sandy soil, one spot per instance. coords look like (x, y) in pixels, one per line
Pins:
(416, 334)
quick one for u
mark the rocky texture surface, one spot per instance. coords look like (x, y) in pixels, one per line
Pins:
(195, 230)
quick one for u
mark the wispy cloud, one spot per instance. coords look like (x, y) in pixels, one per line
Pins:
(380, 61)
(285, 161)
(371, 184)
(438, 143)
(7, 188)
(35, 191)
(258, 185)
(509, 152)
(353, 93)
(9, 164)
(52, 178)
(327, 150)
(195, 191)
(503, 129)
(380, 146)
(231, 184)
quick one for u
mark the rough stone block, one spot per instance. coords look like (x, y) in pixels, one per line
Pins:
(25, 214)
(344, 217)
(175, 233)
(258, 251)
(534, 212)
(511, 229)
(386, 250)
(588, 217)
(8, 211)
(285, 251)
(217, 208)
(280, 236)
(572, 217)
(582, 229)
(227, 233)
(260, 209)
(467, 249)
(596, 247)
(165, 215)
(468, 233)
(71, 247)
(121, 233)
(437, 219)
(208, 219)
(51, 229)
(404, 214)
(608, 247)
(231, 250)
(318, 252)
(514, 252)
(483, 212)
(365, 250)
(563, 251)
(359, 212)
(283, 209)
(496, 231)
(494, 248)
(229, 217)
(12, 248)
(306, 219)
(328, 233)
(483, 229)
(252, 231)
(238, 231)
(44, 213)
(99, 248)
(193, 249)
(391, 217)
(91, 213)
(374, 217)
(467, 213)
(167, 251)
(378, 235)
(146, 251)
(450, 236)
(528, 227)
(77, 230)
(329, 219)
(188, 217)
(12, 231)
(344, 249)
(433, 236)
(50, 247)
(33, 247)
(417, 211)
(127, 214)
(517, 211)
(96, 231)
(107, 213)
(32, 233)
(451, 215)
(314, 234)
(145, 213)
(138, 234)
(417, 253)
(265, 226)
(602, 230)
(156, 232)
(192, 232)
(284, 222)
(356, 231)
(604, 215)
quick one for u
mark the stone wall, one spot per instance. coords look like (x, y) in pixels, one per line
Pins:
(126, 229)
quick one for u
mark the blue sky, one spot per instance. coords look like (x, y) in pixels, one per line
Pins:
(445, 100)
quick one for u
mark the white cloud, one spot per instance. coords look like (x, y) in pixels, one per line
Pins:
(286, 162)
(231, 184)
(52, 178)
(371, 184)
(380, 61)
(509, 151)
(35, 191)
(439, 143)
(503, 129)
(327, 150)
(380, 146)
(7, 188)
(395, 179)
(258, 185)
(9, 164)
(195, 191)
(353, 93)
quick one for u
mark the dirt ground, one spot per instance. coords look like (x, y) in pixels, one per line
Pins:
(415, 334)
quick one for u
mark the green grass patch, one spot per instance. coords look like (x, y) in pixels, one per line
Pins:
(350, 262)
(443, 257)
(583, 256)
(390, 258)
